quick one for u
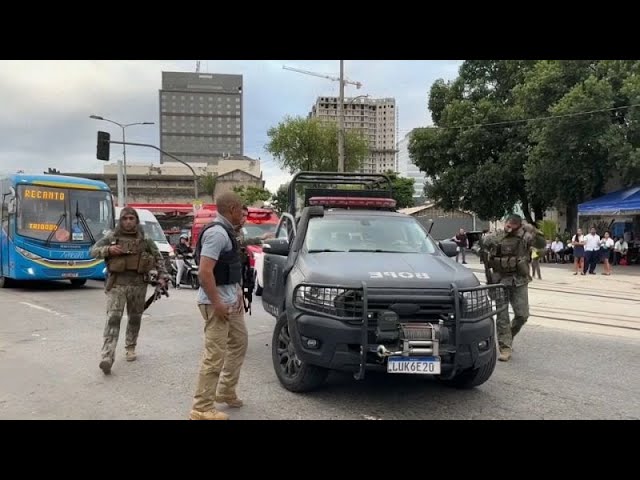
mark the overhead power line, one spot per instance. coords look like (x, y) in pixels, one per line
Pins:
(550, 117)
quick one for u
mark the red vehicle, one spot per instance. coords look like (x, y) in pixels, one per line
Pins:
(259, 222)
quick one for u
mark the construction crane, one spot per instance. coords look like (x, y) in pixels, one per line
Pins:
(329, 77)
(343, 81)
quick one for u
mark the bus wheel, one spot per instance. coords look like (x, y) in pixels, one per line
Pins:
(78, 282)
(4, 282)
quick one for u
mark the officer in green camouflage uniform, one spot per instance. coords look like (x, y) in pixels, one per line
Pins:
(507, 262)
(130, 260)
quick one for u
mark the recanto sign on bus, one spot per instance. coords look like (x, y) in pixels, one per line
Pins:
(43, 195)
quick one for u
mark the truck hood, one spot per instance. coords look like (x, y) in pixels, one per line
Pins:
(388, 270)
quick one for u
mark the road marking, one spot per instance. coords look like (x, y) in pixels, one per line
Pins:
(38, 307)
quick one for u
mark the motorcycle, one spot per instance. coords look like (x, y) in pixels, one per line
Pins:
(189, 272)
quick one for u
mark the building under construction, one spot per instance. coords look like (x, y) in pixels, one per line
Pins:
(375, 118)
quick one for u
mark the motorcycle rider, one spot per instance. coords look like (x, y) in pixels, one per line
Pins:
(182, 249)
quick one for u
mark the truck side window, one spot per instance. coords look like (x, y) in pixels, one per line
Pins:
(285, 231)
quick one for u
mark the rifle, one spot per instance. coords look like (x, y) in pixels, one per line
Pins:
(158, 291)
(248, 282)
(484, 258)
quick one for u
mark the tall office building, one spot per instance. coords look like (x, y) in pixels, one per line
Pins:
(375, 118)
(201, 116)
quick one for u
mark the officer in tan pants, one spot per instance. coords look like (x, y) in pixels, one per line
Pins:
(221, 305)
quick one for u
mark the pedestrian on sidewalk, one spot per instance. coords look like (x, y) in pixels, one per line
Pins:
(578, 251)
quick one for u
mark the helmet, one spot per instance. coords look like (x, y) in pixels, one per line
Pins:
(185, 236)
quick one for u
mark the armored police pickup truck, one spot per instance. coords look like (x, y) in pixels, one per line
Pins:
(356, 286)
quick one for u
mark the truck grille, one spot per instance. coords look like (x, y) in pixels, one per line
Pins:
(411, 305)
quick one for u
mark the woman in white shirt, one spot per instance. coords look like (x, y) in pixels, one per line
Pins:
(606, 247)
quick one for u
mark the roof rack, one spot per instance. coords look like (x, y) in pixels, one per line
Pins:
(376, 185)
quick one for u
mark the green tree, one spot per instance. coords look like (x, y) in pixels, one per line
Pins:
(512, 159)
(591, 147)
(472, 168)
(402, 189)
(309, 144)
(251, 194)
(208, 183)
(279, 200)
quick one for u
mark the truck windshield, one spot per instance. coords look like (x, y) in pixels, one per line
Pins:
(367, 233)
(71, 214)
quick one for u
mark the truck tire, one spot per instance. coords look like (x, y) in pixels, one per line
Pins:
(475, 376)
(293, 374)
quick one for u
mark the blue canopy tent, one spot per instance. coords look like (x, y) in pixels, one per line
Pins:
(622, 202)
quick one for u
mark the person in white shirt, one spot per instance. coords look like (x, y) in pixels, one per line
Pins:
(591, 251)
(606, 247)
(619, 250)
(557, 247)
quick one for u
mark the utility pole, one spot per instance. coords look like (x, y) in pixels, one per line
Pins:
(343, 82)
(341, 120)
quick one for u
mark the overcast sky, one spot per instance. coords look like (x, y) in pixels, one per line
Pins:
(45, 105)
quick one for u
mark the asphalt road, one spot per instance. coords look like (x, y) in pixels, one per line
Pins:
(51, 335)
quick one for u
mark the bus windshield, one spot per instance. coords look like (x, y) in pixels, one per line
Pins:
(74, 215)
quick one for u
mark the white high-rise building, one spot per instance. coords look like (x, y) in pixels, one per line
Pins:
(406, 168)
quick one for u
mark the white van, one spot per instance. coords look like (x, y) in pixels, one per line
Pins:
(152, 229)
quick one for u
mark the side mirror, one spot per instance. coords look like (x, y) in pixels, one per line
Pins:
(11, 206)
(449, 248)
(276, 246)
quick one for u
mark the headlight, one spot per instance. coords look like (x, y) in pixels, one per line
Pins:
(476, 302)
(339, 302)
(29, 255)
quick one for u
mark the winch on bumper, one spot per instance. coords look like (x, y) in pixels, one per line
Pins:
(432, 332)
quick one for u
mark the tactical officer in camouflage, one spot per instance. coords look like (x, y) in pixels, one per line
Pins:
(130, 259)
(507, 261)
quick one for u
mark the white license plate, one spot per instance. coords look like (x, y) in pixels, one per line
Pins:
(416, 365)
(69, 275)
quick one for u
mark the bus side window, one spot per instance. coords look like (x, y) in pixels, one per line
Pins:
(11, 212)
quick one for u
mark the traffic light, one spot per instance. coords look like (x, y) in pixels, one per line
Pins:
(102, 152)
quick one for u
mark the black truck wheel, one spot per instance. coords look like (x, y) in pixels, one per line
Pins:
(293, 374)
(476, 376)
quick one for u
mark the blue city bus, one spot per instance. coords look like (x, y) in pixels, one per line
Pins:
(49, 224)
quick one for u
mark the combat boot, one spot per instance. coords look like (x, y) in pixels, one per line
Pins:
(210, 415)
(505, 354)
(105, 365)
(232, 402)
(130, 354)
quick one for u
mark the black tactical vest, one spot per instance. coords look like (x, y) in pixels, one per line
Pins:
(228, 269)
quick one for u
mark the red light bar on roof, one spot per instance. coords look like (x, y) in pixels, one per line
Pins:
(259, 215)
(362, 202)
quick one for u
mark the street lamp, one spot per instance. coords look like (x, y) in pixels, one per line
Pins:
(124, 147)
